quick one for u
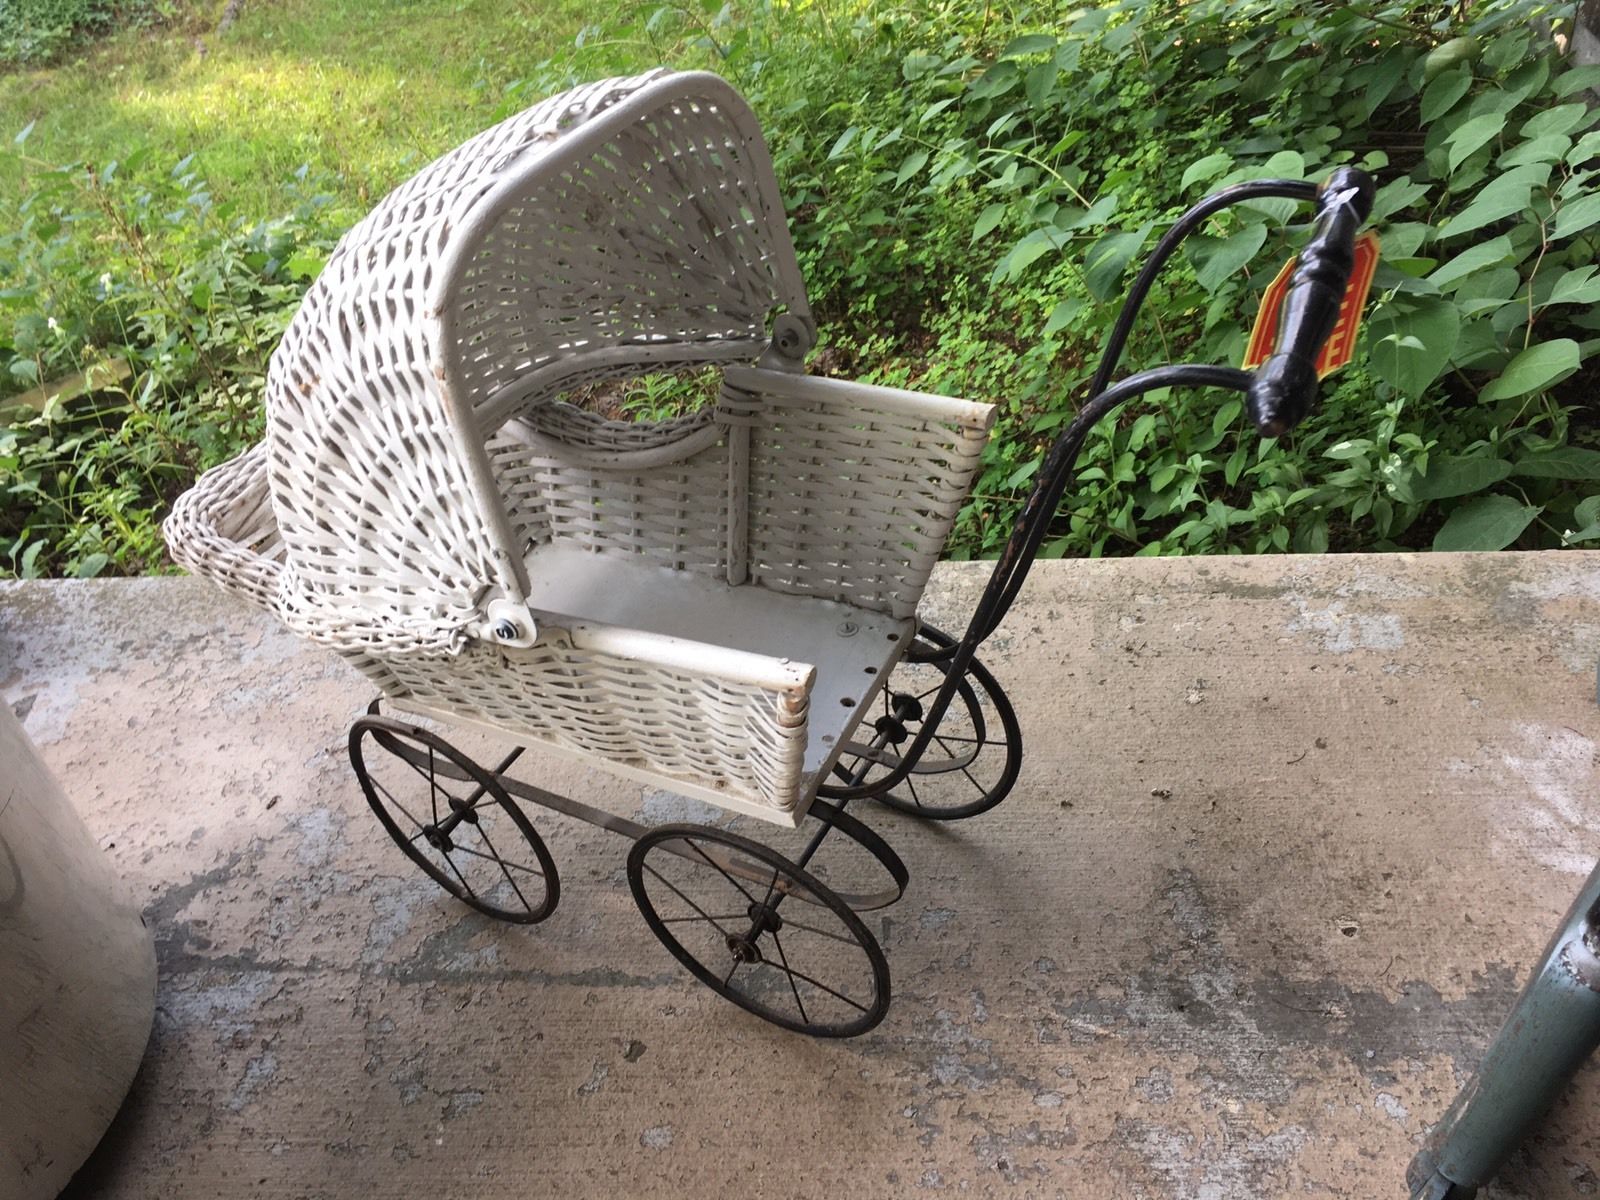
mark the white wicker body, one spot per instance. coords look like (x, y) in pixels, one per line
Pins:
(668, 600)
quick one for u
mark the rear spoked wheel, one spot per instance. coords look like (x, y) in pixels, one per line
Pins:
(454, 820)
(972, 762)
(759, 931)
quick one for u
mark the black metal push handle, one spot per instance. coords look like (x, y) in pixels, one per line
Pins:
(1285, 386)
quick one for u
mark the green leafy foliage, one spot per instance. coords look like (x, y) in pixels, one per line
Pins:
(969, 192)
(34, 31)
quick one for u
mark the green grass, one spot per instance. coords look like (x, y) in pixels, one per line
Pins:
(964, 216)
(366, 91)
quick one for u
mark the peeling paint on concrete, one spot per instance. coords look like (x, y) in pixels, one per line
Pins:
(1341, 632)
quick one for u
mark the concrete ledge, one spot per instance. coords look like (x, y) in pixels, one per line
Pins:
(1289, 834)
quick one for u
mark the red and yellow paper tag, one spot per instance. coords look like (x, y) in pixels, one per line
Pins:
(1341, 344)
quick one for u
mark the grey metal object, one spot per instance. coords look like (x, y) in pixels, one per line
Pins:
(1550, 1032)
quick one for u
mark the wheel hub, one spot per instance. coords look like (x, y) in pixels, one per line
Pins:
(438, 839)
(743, 949)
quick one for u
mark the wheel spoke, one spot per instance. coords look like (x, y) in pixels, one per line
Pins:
(484, 834)
(686, 900)
(912, 784)
(504, 862)
(790, 922)
(824, 987)
(723, 917)
(457, 871)
(954, 737)
(433, 787)
(695, 846)
(793, 987)
(421, 828)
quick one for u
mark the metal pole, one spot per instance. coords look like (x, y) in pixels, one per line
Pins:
(1553, 1028)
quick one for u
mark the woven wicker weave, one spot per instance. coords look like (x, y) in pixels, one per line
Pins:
(426, 505)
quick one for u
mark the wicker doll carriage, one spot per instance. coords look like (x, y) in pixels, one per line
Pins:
(710, 604)
(722, 605)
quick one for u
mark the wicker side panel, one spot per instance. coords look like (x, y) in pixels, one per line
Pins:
(674, 515)
(849, 503)
(748, 740)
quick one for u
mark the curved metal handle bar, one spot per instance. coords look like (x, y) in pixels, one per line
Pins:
(1028, 532)
(1281, 189)
(1032, 523)
(1058, 462)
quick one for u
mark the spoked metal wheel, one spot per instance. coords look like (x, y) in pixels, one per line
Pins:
(454, 820)
(973, 760)
(760, 931)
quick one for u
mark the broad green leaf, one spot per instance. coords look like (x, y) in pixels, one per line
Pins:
(1394, 196)
(1096, 214)
(1535, 369)
(1577, 215)
(1585, 521)
(1577, 286)
(91, 565)
(1450, 475)
(304, 264)
(1028, 43)
(1349, 449)
(1568, 462)
(1471, 136)
(1488, 523)
(1485, 254)
(1025, 253)
(1575, 80)
(1563, 118)
(1224, 257)
(1109, 257)
(913, 163)
(1588, 147)
(1062, 314)
(988, 219)
(1408, 348)
(1549, 148)
(1041, 81)
(1486, 290)
(1285, 164)
(1206, 168)
(1386, 73)
(1442, 92)
(1503, 196)
(843, 141)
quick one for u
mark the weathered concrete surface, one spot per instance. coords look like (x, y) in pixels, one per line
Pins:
(1289, 834)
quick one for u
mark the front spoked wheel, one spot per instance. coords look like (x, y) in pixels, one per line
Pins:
(454, 820)
(973, 760)
(759, 931)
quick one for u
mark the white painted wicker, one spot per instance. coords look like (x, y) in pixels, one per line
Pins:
(657, 597)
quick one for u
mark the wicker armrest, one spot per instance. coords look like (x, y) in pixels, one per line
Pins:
(224, 528)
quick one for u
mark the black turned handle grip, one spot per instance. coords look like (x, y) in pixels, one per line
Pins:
(1285, 386)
